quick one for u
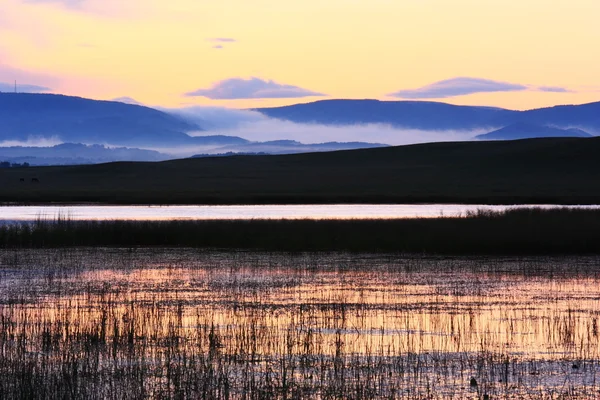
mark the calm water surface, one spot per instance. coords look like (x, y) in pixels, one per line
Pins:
(335, 211)
(166, 323)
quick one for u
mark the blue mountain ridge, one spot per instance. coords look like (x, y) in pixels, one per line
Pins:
(523, 130)
(76, 119)
(425, 115)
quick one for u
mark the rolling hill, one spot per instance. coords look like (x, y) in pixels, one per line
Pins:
(78, 120)
(435, 116)
(522, 130)
(406, 114)
(558, 170)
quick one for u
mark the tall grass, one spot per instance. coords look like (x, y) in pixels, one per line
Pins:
(183, 324)
(516, 231)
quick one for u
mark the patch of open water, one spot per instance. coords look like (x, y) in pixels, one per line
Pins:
(306, 325)
(307, 211)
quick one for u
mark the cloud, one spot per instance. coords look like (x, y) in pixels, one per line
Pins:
(457, 87)
(22, 88)
(553, 89)
(254, 126)
(216, 118)
(462, 86)
(222, 40)
(253, 88)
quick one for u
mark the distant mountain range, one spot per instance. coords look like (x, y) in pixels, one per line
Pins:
(434, 116)
(71, 153)
(77, 153)
(522, 130)
(290, 147)
(423, 115)
(78, 120)
(128, 129)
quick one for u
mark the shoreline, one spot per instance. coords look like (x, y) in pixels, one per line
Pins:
(513, 232)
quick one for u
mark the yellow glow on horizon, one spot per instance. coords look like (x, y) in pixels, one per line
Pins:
(154, 51)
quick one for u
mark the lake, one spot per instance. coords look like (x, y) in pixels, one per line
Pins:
(310, 211)
(160, 323)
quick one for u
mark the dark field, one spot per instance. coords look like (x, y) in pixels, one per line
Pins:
(517, 231)
(554, 171)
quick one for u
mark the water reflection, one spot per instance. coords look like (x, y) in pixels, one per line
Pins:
(331, 211)
(310, 324)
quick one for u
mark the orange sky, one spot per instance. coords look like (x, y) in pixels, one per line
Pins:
(156, 51)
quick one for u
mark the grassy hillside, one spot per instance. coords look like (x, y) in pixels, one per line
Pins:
(559, 170)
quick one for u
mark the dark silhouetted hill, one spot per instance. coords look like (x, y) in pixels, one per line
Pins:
(542, 171)
(434, 116)
(79, 120)
(406, 114)
(522, 130)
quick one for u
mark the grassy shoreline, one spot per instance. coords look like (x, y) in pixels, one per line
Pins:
(513, 232)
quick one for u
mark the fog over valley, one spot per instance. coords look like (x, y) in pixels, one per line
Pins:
(257, 127)
(43, 129)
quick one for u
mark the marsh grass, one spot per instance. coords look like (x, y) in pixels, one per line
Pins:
(177, 324)
(516, 231)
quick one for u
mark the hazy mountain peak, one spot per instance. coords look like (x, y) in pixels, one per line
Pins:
(525, 130)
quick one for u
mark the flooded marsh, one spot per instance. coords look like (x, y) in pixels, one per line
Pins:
(160, 323)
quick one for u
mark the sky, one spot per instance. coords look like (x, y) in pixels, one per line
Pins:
(517, 54)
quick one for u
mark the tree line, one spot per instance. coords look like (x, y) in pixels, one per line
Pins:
(8, 164)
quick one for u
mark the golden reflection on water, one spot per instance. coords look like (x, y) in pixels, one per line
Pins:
(416, 312)
(450, 315)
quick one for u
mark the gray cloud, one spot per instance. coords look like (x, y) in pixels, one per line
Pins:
(554, 89)
(217, 118)
(222, 40)
(22, 88)
(463, 86)
(253, 88)
(457, 87)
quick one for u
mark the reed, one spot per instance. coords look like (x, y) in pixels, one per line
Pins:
(178, 324)
(516, 231)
